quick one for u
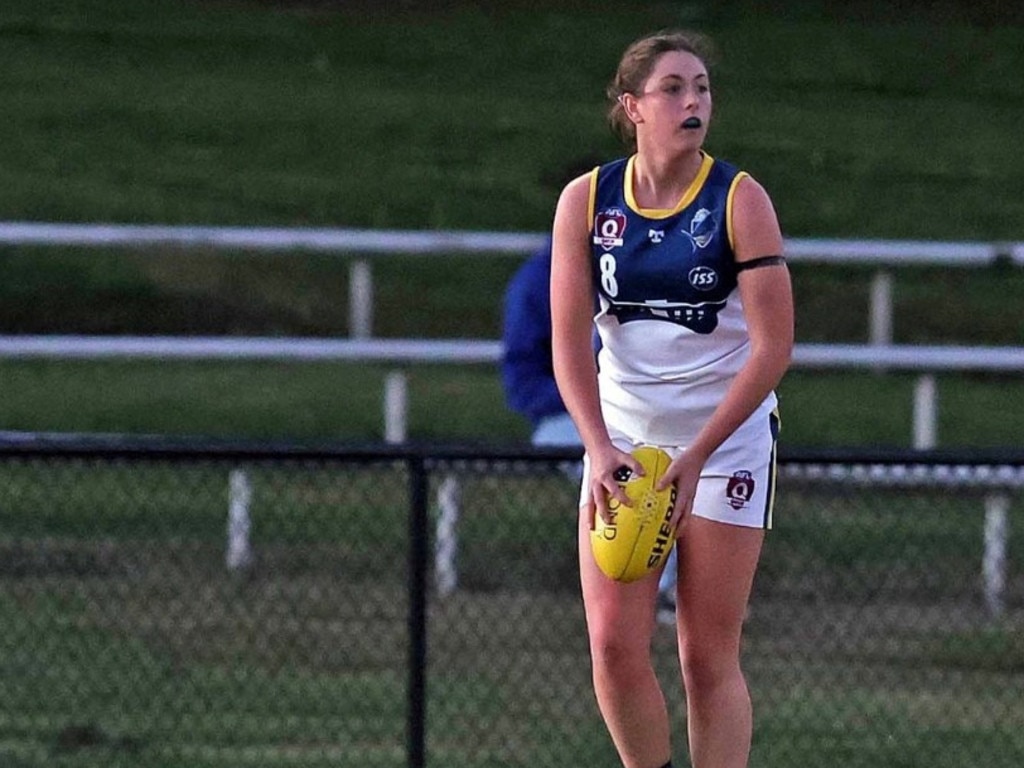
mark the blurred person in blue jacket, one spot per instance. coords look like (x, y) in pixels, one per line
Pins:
(526, 369)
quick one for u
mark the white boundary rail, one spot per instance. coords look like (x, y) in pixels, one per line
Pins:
(360, 244)
(926, 360)
(885, 255)
(371, 241)
(364, 243)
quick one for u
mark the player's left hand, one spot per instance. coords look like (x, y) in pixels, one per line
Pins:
(684, 471)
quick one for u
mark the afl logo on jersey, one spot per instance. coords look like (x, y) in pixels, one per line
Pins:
(703, 278)
(608, 228)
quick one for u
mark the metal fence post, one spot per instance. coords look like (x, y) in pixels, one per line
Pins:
(417, 579)
(239, 549)
(926, 416)
(396, 407)
(997, 505)
(881, 308)
(360, 299)
(446, 569)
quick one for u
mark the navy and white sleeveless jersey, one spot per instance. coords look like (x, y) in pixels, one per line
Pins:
(673, 335)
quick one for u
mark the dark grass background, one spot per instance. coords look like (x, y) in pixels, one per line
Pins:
(127, 642)
(868, 120)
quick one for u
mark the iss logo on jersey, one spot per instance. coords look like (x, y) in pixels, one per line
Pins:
(740, 489)
(608, 228)
(703, 278)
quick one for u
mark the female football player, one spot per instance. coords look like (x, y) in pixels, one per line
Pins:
(696, 324)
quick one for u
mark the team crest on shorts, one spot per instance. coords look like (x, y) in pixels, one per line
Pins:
(608, 228)
(740, 489)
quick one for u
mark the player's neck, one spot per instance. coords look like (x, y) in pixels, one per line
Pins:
(659, 181)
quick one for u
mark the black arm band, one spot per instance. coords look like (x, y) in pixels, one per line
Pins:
(760, 261)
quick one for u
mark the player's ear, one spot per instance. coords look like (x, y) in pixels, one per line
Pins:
(631, 106)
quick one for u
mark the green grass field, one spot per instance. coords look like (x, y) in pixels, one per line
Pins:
(129, 643)
(345, 402)
(861, 119)
(864, 122)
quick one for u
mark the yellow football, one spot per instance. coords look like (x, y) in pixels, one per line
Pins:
(639, 538)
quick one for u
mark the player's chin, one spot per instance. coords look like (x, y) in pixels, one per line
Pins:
(691, 138)
(684, 145)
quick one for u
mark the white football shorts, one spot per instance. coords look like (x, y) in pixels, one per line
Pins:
(737, 484)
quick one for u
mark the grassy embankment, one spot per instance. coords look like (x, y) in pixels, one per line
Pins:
(232, 114)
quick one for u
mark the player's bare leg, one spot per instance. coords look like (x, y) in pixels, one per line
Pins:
(717, 564)
(620, 623)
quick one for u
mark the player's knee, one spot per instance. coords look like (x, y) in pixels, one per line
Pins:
(706, 667)
(616, 655)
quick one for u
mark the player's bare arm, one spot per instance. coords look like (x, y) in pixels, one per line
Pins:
(572, 304)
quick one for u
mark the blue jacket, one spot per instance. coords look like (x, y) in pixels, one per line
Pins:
(526, 368)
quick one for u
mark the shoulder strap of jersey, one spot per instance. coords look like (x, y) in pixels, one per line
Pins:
(591, 202)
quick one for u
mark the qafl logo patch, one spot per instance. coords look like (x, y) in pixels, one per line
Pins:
(608, 228)
(740, 489)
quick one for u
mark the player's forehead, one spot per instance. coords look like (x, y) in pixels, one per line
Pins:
(681, 65)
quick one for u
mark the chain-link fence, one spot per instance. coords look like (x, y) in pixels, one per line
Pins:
(200, 606)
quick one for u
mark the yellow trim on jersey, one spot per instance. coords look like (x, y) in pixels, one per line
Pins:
(728, 208)
(688, 196)
(592, 201)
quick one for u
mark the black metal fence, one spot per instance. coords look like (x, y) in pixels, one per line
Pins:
(257, 605)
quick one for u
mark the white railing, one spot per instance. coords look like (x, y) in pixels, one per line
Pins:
(905, 357)
(362, 244)
(925, 360)
(885, 255)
